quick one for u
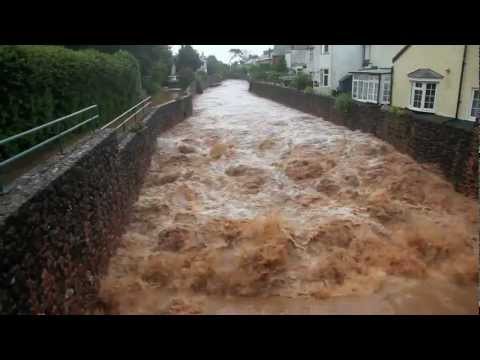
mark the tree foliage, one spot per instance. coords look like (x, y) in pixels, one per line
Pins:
(42, 83)
(187, 57)
(155, 61)
(216, 67)
(185, 77)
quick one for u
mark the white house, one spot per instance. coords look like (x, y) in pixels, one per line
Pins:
(331, 66)
(372, 80)
(297, 57)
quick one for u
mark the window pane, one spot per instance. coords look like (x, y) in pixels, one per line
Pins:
(430, 96)
(386, 91)
(476, 104)
(417, 98)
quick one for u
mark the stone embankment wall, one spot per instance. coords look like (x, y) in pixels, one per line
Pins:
(64, 219)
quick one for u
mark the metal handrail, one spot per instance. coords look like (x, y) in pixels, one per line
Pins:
(51, 139)
(123, 123)
(31, 131)
(125, 113)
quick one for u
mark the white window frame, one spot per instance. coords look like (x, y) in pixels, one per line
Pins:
(322, 77)
(327, 51)
(424, 83)
(386, 80)
(470, 108)
(369, 85)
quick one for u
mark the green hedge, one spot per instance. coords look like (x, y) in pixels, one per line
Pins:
(41, 83)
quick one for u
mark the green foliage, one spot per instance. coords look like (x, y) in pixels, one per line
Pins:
(344, 103)
(301, 81)
(216, 68)
(185, 77)
(155, 61)
(397, 111)
(42, 83)
(264, 72)
(281, 66)
(237, 71)
(309, 90)
(187, 57)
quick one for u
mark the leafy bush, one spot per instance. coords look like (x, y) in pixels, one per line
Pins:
(309, 90)
(301, 81)
(397, 111)
(344, 103)
(155, 61)
(42, 83)
(185, 78)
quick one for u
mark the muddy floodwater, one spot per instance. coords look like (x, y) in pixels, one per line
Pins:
(251, 207)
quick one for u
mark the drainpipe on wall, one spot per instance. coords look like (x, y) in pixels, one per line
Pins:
(461, 80)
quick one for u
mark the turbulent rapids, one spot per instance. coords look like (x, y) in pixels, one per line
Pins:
(251, 207)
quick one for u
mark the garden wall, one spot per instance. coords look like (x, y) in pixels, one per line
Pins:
(63, 220)
(450, 144)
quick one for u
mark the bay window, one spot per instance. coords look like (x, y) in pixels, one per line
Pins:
(423, 95)
(365, 87)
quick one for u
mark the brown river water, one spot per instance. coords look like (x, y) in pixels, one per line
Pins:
(251, 207)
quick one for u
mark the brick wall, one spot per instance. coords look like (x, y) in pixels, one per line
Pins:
(450, 144)
(64, 219)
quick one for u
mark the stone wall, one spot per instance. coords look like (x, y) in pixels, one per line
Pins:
(63, 220)
(450, 144)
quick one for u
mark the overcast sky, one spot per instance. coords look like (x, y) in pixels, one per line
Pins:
(221, 51)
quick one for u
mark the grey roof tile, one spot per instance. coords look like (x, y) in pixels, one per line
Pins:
(425, 74)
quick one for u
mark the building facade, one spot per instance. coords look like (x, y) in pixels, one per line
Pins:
(332, 64)
(372, 81)
(438, 79)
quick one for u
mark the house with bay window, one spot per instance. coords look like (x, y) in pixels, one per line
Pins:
(438, 79)
(331, 66)
(372, 80)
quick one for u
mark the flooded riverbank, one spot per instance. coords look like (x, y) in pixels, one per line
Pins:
(251, 207)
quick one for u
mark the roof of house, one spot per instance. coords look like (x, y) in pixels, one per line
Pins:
(301, 47)
(425, 74)
(345, 77)
(284, 49)
(373, 71)
(400, 53)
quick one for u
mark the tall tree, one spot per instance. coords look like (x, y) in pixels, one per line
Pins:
(187, 57)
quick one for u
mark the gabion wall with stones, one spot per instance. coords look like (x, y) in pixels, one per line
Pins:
(63, 220)
(450, 144)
